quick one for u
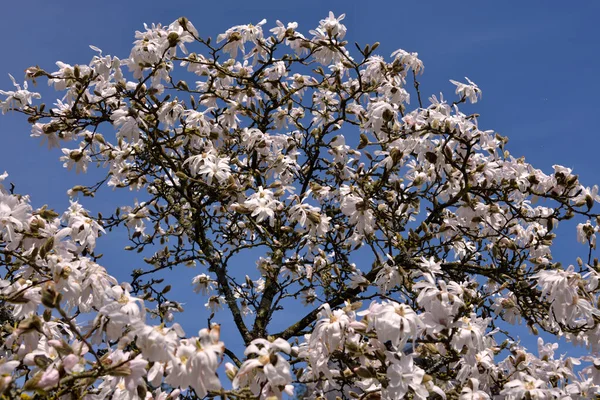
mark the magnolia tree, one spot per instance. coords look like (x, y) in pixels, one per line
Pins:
(407, 240)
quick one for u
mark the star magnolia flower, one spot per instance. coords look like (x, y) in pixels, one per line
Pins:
(210, 166)
(357, 210)
(18, 98)
(526, 386)
(203, 284)
(121, 306)
(268, 373)
(404, 376)
(310, 216)
(281, 30)
(430, 268)
(471, 391)
(75, 158)
(331, 27)
(6, 369)
(471, 91)
(215, 303)
(262, 204)
(195, 362)
(132, 370)
(330, 328)
(157, 342)
(14, 215)
(238, 35)
(81, 228)
(393, 322)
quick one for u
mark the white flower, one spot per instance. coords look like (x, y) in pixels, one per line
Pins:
(430, 268)
(196, 361)
(170, 112)
(586, 233)
(18, 98)
(330, 30)
(282, 31)
(331, 27)
(157, 342)
(203, 284)
(470, 332)
(330, 328)
(526, 386)
(6, 369)
(132, 370)
(262, 205)
(409, 59)
(49, 378)
(268, 373)
(126, 124)
(311, 217)
(121, 307)
(471, 391)
(308, 296)
(210, 166)
(215, 303)
(393, 322)
(470, 91)
(217, 167)
(403, 376)
(14, 216)
(381, 114)
(358, 211)
(507, 307)
(75, 158)
(236, 36)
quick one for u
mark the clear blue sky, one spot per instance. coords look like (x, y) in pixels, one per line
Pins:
(535, 61)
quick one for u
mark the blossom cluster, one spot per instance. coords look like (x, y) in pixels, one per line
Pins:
(328, 171)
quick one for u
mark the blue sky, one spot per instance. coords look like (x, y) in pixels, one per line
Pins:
(535, 61)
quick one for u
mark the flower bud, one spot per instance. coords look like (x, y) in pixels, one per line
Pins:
(173, 39)
(50, 297)
(230, 371)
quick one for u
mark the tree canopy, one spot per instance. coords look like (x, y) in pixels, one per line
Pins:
(407, 241)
